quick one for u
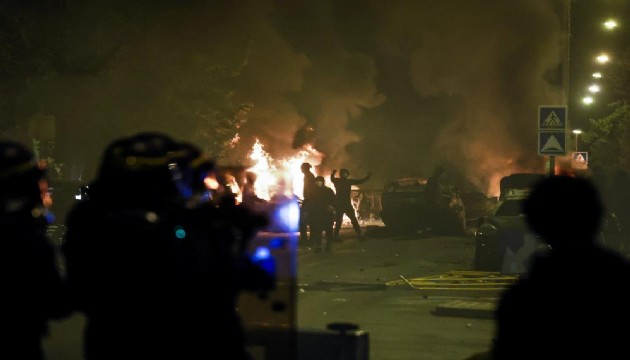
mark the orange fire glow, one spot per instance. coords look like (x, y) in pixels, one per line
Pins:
(282, 176)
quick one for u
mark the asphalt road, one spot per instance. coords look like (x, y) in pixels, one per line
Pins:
(360, 283)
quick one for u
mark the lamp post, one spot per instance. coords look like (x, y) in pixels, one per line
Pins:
(576, 132)
(610, 24)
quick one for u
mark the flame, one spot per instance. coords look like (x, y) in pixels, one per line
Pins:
(284, 176)
(230, 180)
(280, 177)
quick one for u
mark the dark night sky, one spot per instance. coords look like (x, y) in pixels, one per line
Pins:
(392, 87)
(588, 39)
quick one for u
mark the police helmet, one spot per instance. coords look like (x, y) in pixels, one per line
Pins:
(191, 166)
(139, 165)
(144, 151)
(20, 176)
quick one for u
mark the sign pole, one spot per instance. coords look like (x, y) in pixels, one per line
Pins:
(552, 165)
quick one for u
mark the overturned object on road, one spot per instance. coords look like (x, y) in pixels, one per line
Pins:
(406, 207)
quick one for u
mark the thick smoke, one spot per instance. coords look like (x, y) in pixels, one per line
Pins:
(392, 87)
(399, 87)
(305, 83)
(463, 81)
(496, 60)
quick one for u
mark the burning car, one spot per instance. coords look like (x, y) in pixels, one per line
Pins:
(405, 207)
(503, 241)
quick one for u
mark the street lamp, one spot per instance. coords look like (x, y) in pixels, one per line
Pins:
(610, 24)
(594, 88)
(587, 100)
(576, 132)
(602, 58)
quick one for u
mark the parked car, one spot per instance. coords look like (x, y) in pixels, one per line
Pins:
(405, 207)
(503, 241)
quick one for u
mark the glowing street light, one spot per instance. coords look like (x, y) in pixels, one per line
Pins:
(594, 88)
(587, 100)
(597, 75)
(602, 58)
(576, 132)
(610, 24)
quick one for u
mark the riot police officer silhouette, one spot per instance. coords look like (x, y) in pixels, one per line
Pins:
(213, 265)
(156, 274)
(33, 289)
(120, 250)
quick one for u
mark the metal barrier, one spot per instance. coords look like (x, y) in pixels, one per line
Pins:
(460, 281)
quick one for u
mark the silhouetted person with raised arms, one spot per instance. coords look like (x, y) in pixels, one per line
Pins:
(33, 291)
(343, 189)
(573, 303)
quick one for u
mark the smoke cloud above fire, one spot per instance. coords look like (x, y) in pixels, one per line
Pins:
(397, 88)
(390, 87)
(311, 84)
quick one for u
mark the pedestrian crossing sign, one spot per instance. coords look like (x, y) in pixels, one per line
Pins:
(552, 143)
(552, 117)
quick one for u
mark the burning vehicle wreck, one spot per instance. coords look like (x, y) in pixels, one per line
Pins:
(405, 207)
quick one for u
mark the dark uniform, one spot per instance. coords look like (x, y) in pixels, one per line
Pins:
(121, 254)
(321, 212)
(33, 289)
(309, 184)
(156, 275)
(343, 188)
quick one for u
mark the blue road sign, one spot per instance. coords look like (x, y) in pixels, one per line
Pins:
(552, 143)
(552, 117)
